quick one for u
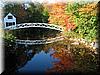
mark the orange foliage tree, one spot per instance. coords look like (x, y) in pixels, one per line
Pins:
(57, 16)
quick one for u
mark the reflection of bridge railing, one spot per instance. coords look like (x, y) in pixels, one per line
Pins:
(31, 42)
(41, 25)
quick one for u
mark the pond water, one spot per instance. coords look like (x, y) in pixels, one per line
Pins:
(40, 62)
(57, 57)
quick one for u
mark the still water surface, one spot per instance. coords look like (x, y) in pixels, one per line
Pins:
(40, 62)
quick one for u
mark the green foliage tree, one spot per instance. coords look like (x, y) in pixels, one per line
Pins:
(36, 13)
(84, 18)
(9, 39)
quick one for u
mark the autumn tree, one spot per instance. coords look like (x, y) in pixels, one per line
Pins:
(58, 16)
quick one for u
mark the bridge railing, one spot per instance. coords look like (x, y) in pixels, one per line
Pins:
(42, 25)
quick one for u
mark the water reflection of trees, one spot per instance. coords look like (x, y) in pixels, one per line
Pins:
(24, 54)
(74, 58)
